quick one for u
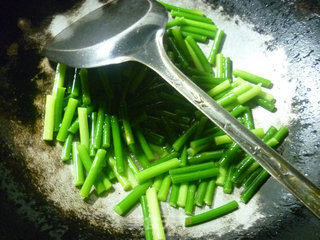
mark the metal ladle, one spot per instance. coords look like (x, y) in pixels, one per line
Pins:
(129, 30)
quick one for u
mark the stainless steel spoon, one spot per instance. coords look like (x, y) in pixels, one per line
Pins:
(127, 30)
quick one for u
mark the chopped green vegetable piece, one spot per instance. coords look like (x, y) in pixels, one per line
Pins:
(66, 150)
(164, 189)
(106, 135)
(192, 176)
(144, 145)
(86, 98)
(181, 9)
(131, 199)
(87, 163)
(83, 127)
(58, 107)
(216, 46)
(254, 186)
(182, 197)
(200, 31)
(49, 118)
(99, 129)
(219, 140)
(117, 145)
(155, 215)
(211, 214)
(146, 218)
(228, 184)
(206, 156)
(93, 173)
(78, 174)
(157, 170)
(201, 192)
(193, 168)
(197, 50)
(67, 118)
(195, 36)
(59, 77)
(174, 195)
(210, 192)
(191, 16)
(189, 205)
(178, 144)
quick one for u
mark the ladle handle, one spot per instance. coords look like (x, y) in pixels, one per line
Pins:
(156, 58)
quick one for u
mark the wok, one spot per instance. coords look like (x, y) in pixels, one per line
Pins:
(280, 40)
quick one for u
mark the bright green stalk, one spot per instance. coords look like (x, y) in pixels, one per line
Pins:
(216, 46)
(219, 140)
(219, 65)
(106, 135)
(174, 195)
(180, 9)
(86, 99)
(66, 150)
(254, 186)
(189, 205)
(206, 156)
(59, 77)
(77, 166)
(164, 189)
(93, 173)
(201, 192)
(123, 180)
(206, 26)
(184, 157)
(144, 145)
(178, 144)
(157, 170)
(176, 33)
(252, 78)
(200, 31)
(228, 185)
(58, 107)
(67, 119)
(157, 182)
(131, 199)
(191, 176)
(99, 129)
(191, 16)
(117, 146)
(92, 151)
(195, 36)
(87, 163)
(197, 50)
(210, 192)
(211, 214)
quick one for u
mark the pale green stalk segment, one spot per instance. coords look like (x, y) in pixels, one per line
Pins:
(49, 118)
(183, 192)
(155, 214)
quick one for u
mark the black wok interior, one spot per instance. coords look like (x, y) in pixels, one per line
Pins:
(26, 214)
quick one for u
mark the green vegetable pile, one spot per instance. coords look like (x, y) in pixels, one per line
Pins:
(123, 123)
